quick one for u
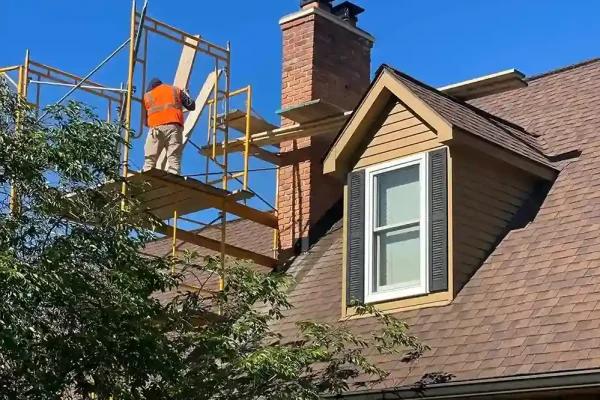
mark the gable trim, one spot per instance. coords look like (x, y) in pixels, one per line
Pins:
(382, 90)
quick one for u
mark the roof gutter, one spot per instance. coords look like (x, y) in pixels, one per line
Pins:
(486, 388)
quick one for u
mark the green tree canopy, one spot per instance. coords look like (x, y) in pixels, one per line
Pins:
(78, 311)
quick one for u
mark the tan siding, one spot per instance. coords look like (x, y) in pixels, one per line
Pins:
(486, 197)
(402, 133)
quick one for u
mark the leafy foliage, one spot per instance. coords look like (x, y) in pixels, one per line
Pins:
(79, 301)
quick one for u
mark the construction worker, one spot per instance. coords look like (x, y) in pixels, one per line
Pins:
(164, 116)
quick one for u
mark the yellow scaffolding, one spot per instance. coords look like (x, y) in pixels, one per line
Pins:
(170, 197)
(173, 197)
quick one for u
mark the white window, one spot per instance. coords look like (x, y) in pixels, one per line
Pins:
(396, 256)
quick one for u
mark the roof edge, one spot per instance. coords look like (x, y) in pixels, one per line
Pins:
(563, 69)
(511, 385)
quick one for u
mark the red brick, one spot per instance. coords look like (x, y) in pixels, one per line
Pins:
(321, 60)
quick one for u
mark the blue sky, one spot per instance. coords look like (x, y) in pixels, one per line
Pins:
(439, 42)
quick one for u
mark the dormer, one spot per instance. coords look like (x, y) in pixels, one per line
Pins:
(433, 185)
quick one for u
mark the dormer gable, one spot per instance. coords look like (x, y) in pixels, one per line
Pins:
(432, 187)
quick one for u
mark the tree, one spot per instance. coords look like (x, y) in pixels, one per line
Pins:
(78, 307)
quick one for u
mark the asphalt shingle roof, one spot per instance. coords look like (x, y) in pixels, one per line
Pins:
(534, 305)
(477, 121)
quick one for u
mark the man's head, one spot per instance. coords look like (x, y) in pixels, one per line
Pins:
(154, 83)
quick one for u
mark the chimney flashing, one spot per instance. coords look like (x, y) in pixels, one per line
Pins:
(327, 15)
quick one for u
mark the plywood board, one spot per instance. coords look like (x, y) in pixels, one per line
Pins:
(265, 155)
(237, 120)
(215, 245)
(186, 64)
(275, 136)
(310, 111)
(163, 193)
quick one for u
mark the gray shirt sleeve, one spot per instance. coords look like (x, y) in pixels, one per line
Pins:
(187, 102)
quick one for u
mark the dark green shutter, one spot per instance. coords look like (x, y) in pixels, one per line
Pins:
(438, 221)
(355, 268)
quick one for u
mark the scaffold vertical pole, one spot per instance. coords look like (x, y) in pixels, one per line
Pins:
(208, 141)
(225, 159)
(26, 75)
(128, 102)
(247, 138)
(174, 240)
(144, 70)
(13, 191)
(22, 88)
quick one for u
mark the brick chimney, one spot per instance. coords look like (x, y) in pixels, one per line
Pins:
(325, 56)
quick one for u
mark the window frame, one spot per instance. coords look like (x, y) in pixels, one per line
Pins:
(371, 199)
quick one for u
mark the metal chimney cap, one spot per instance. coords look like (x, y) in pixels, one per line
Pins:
(347, 11)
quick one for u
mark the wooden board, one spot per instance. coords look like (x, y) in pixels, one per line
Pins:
(486, 85)
(186, 63)
(275, 136)
(193, 116)
(215, 245)
(310, 111)
(265, 155)
(237, 120)
(163, 193)
(207, 196)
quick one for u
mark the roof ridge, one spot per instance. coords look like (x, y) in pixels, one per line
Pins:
(462, 102)
(493, 119)
(563, 69)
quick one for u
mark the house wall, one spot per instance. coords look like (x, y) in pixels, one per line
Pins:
(486, 194)
(400, 134)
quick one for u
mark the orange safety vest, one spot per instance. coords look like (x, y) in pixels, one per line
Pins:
(163, 105)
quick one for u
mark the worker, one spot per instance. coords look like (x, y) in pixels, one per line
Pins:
(164, 116)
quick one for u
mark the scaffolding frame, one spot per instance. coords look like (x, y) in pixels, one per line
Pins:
(39, 74)
(310, 119)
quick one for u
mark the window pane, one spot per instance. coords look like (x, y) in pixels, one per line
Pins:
(398, 196)
(399, 255)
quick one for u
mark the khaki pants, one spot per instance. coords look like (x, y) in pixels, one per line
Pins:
(169, 137)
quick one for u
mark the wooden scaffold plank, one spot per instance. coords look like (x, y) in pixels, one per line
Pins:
(208, 196)
(276, 136)
(215, 245)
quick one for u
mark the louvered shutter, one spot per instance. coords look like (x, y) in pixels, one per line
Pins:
(438, 221)
(355, 268)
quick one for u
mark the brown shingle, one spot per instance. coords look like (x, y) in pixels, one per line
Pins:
(477, 121)
(555, 260)
(551, 319)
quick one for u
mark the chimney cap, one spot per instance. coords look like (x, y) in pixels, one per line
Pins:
(347, 11)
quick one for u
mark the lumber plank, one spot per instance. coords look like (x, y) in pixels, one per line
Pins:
(276, 136)
(186, 63)
(265, 155)
(215, 245)
(310, 111)
(210, 196)
(236, 119)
